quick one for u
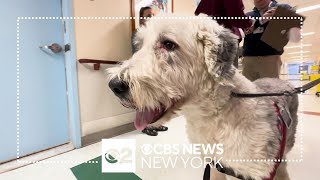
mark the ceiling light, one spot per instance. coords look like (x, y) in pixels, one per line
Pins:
(309, 8)
(298, 61)
(296, 57)
(300, 52)
(307, 34)
(304, 45)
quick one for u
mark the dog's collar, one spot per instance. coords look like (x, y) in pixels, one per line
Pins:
(244, 95)
(297, 90)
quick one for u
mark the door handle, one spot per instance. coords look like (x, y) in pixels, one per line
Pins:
(51, 49)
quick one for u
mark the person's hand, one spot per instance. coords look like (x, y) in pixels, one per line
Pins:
(249, 30)
(267, 15)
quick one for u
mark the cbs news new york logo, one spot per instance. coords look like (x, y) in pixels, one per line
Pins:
(118, 155)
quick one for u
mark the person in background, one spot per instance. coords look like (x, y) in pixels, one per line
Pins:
(227, 8)
(144, 12)
(259, 59)
(165, 5)
(160, 5)
(150, 130)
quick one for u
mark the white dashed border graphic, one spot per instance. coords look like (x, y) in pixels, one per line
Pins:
(130, 18)
(18, 88)
(300, 97)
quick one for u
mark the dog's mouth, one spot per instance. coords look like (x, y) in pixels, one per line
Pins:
(146, 117)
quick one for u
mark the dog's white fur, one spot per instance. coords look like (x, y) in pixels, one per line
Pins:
(197, 78)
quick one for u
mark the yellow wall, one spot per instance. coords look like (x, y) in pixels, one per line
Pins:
(105, 40)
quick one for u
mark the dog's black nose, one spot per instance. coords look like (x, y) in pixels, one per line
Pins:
(119, 87)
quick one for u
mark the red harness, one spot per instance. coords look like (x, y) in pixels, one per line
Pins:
(283, 130)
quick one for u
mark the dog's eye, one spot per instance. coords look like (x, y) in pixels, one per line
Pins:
(169, 45)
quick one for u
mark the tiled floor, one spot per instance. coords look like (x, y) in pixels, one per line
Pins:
(307, 169)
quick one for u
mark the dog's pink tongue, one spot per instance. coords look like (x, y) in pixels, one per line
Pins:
(143, 119)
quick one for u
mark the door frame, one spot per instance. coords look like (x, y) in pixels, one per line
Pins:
(71, 75)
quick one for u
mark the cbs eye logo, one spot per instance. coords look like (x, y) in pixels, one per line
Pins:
(113, 156)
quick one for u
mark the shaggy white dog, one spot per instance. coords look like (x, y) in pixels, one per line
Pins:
(186, 65)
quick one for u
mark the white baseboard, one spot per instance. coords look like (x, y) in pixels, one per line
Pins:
(95, 126)
(23, 161)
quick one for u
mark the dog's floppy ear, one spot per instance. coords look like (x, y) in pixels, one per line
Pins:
(220, 48)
